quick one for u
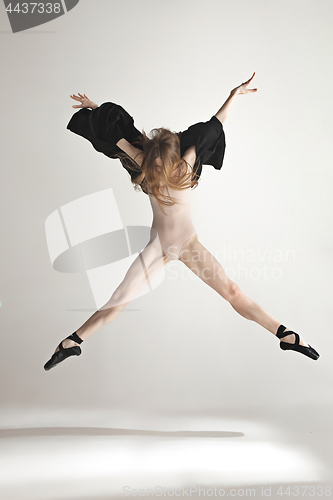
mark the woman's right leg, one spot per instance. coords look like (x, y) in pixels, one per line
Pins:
(141, 272)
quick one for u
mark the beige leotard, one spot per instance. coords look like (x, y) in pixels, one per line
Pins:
(168, 235)
(175, 228)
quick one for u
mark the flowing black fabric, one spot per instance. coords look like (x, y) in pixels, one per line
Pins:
(209, 140)
(106, 125)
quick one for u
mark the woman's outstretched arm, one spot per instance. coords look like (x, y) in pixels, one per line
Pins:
(135, 153)
(84, 100)
(241, 89)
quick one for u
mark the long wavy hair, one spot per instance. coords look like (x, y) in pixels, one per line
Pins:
(175, 172)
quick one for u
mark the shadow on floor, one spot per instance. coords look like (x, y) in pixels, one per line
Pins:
(98, 431)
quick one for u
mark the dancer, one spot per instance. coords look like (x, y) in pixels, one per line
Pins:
(166, 167)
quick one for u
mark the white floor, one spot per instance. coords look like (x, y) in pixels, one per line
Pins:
(86, 455)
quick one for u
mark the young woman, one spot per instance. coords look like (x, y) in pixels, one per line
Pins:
(165, 166)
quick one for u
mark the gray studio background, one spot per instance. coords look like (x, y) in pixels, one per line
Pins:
(181, 349)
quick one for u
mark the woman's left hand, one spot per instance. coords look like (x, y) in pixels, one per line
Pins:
(243, 88)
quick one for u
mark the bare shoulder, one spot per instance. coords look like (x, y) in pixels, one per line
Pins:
(135, 153)
(190, 155)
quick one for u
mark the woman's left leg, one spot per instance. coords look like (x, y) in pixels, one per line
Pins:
(202, 263)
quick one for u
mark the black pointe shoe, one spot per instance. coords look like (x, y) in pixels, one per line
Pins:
(308, 351)
(64, 352)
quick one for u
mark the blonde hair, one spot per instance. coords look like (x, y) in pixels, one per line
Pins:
(174, 172)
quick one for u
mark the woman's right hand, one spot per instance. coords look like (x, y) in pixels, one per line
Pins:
(85, 101)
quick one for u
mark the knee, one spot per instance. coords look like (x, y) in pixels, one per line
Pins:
(233, 292)
(117, 299)
(104, 315)
(108, 315)
(118, 295)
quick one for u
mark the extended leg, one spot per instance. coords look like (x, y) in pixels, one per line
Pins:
(197, 258)
(141, 272)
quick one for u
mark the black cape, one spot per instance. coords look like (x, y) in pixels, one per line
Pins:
(105, 125)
